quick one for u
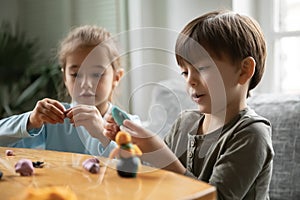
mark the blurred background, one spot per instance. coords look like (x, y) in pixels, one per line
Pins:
(146, 30)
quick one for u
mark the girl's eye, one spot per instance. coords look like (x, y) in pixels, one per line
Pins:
(97, 75)
(75, 75)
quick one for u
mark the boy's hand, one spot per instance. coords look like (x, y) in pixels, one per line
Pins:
(111, 127)
(155, 151)
(46, 111)
(145, 139)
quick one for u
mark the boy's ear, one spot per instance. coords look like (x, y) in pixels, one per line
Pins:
(247, 69)
(118, 75)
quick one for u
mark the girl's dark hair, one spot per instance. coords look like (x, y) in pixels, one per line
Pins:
(89, 36)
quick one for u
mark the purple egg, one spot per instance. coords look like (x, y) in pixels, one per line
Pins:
(9, 152)
(92, 165)
(24, 167)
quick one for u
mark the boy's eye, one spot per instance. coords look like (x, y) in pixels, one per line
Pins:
(203, 68)
(184, 73)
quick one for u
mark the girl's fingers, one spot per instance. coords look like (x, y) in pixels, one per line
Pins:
(74, 113)
(69, 113)
(57, 105)
(54, 113)
(46, 115)
(109, 119)
(52, 109)
(111, 135)
(111, 127)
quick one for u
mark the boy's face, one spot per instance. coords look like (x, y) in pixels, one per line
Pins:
(89, 76)
(212, 83)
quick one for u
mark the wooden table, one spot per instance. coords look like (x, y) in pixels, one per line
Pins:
(65, 169)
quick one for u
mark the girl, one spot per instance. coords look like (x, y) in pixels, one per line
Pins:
(91, 69)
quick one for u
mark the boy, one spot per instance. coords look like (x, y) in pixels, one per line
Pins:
(225, 143)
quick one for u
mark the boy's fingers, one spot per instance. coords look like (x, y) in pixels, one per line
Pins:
(132, 132)
(132, 126)
(125, 129)
(136, 130)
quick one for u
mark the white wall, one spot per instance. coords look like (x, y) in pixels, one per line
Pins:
(248, 7)
(155, 24)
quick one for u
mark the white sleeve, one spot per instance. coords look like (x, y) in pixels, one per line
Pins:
(13, 128)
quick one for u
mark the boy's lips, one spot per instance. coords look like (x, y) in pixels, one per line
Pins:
(197, 97)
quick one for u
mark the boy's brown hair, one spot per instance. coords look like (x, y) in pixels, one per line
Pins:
(224, 33)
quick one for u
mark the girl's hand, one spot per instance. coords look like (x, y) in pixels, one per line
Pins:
(90, 118)
(46, 111)
(110, 128)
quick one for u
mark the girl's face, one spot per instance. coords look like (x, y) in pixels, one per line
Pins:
(89, 76)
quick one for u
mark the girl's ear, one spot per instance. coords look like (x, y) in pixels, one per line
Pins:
(118, 75)
(63, 73)
(247, 69)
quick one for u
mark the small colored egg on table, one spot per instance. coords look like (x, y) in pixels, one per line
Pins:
(24, 167)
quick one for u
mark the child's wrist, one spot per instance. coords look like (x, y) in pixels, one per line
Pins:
(31, 125)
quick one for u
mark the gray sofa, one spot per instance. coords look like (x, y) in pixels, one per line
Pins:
(169, 99)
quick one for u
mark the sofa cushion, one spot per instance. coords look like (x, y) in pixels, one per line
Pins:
(283, 111)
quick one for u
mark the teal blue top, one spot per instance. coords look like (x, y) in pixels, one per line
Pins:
(58, 137)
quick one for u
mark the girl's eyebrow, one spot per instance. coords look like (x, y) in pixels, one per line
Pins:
(99, 66)
(76, 67)
(72, 67)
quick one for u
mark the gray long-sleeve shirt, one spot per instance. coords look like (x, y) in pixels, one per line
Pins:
(237, 158)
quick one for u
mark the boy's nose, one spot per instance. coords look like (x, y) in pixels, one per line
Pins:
(192, 79)
(195, 79)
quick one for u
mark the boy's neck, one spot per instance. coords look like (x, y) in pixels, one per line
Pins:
(215, 121)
